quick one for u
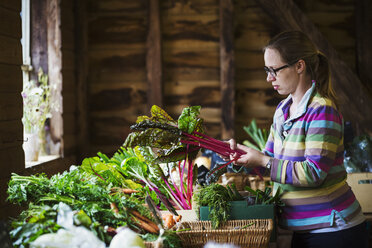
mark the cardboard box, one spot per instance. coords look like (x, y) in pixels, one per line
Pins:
(187, 215)
(241, 211)
(361, 184)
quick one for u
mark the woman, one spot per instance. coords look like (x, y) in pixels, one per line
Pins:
(304, 151)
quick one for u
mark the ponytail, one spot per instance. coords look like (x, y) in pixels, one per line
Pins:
(322, 76)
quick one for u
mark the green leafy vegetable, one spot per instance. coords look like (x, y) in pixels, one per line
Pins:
(259, 136)
(188, 121)
(217, 198)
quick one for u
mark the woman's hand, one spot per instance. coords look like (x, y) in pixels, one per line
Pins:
(250, 158)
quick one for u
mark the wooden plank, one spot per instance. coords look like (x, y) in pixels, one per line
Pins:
(122, 7)
(3, 191)
(117, 30)
(116, 61)
(11, 134)
(11, 106)
(69, 103)
(11, 4)
(346, 84)
(134, 85)
(128, 116)
(10, 50)
(200, 28)
(39, 38)
(10, 23)
(326, 6)
(68, 39)
(56, 61)
(81, 86)
(69, 123)
(252, 40)
(8, 210)
(68, 4)
(109, 131)
(117, 98)
(113, 76)
(191, 59)
(69, 144)
(68, 81)
(67, 19)
(363, 42)
(227, 61)
(108, 149)
(153, 57)
(193, 93)
(248, 59)
(192, 74)
(15, 161)
(52, 167)
(10, 78)
(189, 7)
(68, 60)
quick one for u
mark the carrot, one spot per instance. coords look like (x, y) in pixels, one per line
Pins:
(146, 226)
(139, 215)
(169, 221)
(144, 219)
(114, 207)
(129, 191)
(123, 190)
(178, 218)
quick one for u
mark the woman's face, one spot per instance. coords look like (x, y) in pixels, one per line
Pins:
(286, 80)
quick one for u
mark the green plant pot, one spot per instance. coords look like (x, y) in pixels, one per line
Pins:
(241, 211)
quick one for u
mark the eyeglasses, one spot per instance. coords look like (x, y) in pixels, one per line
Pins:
(273, 72)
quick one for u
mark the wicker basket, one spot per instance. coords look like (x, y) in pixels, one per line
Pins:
(149, 244)
(256, 234)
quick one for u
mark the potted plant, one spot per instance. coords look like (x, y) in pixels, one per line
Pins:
(36, 110)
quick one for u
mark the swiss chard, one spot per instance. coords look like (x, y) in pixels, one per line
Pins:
(179, 140)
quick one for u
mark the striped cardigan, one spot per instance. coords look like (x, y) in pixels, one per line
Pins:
(308, 164)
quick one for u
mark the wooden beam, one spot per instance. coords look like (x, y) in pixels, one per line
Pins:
(227, 72)
(363, 41)
(153, 57)
(354, 100)
(39, 38)
(81, 45)
(54, 62)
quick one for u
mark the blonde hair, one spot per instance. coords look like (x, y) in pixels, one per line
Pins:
(295, 45)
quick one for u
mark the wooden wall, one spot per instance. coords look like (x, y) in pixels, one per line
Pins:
(190, 56)
(11, 129)
(116, 74)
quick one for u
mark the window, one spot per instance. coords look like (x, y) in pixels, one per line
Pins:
(42, 101)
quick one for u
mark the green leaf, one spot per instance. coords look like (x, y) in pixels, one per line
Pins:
(160, 115)
(188, 121)
(152, 137)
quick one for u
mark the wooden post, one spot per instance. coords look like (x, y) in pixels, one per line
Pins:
(83, 145)
(355, 103)
(364, 41)
(39, 39)
(54, 39)
(153, 59)
(227, 63)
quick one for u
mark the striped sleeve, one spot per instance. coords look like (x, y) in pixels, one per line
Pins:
(269, 147)
(323, 140)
